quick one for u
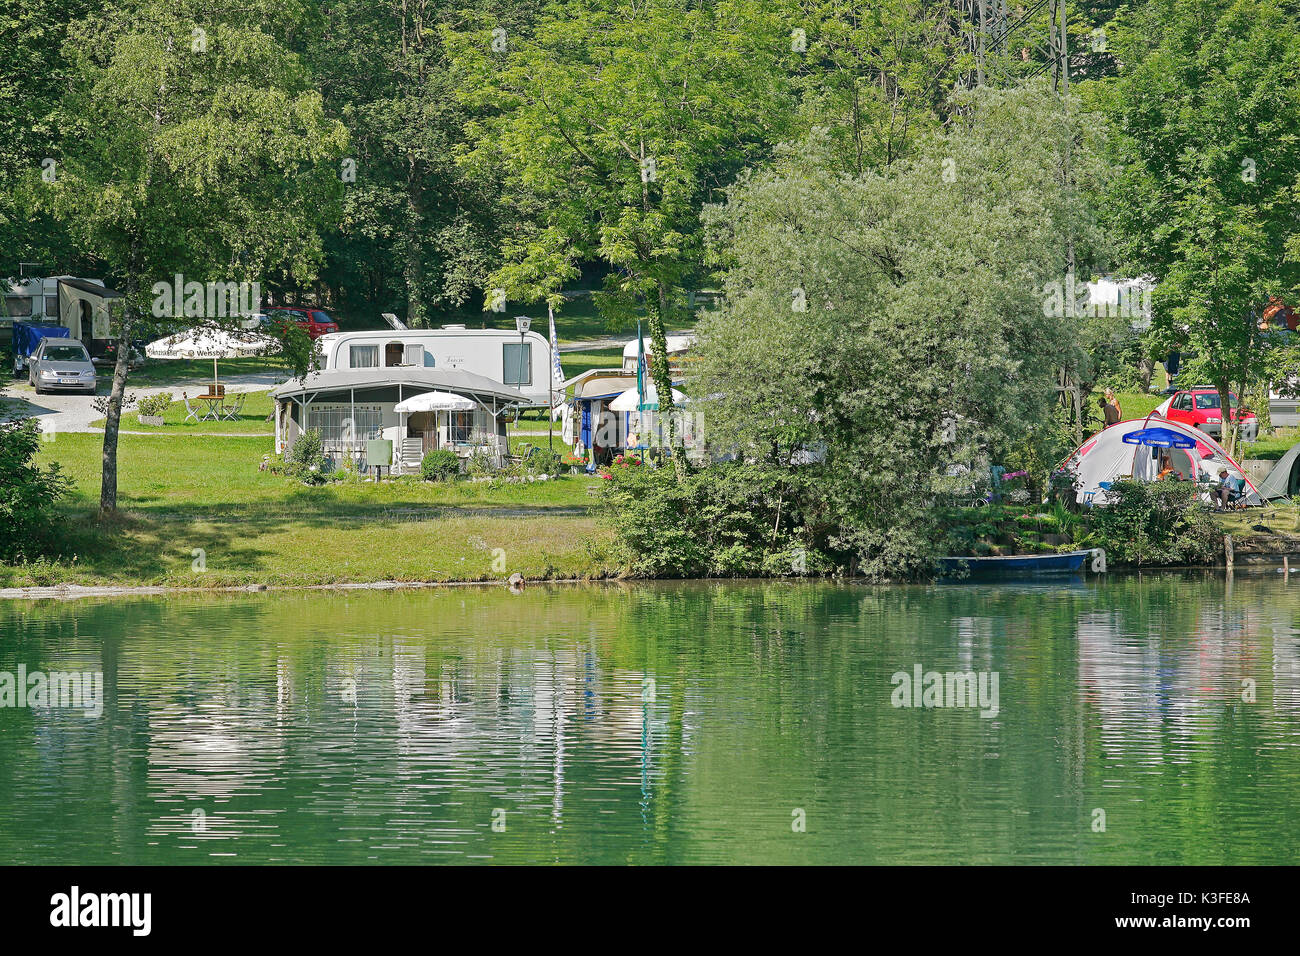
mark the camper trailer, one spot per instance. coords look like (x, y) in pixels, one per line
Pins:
(79, 305)
(521, 362)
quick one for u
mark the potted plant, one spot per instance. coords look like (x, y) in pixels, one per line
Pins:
(153, 408)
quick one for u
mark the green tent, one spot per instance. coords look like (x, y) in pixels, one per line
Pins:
(1284, 478)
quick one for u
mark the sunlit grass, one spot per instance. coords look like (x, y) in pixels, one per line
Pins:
(179, 497)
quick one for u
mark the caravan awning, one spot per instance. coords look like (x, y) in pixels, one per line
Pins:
(414, 378)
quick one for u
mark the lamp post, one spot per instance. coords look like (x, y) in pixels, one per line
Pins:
(522, 322)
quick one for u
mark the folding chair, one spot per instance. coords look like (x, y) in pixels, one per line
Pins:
(190, 411)
(231, 412)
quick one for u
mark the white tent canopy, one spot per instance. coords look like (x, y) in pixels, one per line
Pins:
(673, 344)
(1106, 457)
(629, 401)
(435, 402)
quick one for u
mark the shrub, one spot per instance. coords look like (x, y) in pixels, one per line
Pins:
(731, 519)
(306, 461)
(542, 462)
(308, 450)
(1154, 522)
(479, 465)
(438, 464)
(29, 524)
(155, 405)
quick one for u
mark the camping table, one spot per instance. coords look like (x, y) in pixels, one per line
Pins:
(213, 403)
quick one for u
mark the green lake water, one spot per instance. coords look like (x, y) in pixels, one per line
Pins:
(665, 723)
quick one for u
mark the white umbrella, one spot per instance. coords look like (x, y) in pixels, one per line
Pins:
(629, 401)
(211, 343)
(435, 402)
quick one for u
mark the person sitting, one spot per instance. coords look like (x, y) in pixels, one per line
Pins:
(1230, 491)
(1167, 469)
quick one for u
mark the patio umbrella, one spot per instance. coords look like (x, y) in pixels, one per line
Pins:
(211, 343)
(435, 402)
(1159, 438)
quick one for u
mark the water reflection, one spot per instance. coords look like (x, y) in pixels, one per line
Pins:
(665, 723)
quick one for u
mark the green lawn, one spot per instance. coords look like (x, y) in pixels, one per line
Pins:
(253, 420)
(1271, 447)
(252, 527)
(163, 372)
(1133, 404)
(575, 363)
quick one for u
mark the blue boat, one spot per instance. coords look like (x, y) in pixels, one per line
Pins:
(1015, 565)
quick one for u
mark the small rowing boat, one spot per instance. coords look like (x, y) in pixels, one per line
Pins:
(1066, 562)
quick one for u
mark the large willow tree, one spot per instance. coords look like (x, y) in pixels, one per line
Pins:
(896, 317)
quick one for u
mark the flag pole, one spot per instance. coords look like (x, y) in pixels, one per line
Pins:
(550, 391)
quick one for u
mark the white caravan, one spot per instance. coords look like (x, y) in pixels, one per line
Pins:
(501, 355)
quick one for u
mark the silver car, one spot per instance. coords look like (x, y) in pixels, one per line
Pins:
(61, 365)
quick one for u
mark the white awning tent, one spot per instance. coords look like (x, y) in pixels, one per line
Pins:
(630, 401)
(435, 402)
(675, 345)
(1106, 457)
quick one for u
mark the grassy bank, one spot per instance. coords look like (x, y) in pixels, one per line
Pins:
(177, 498)
(253, 419)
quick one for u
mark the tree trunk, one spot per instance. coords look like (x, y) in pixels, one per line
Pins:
(108, 480)
(416, 309)
(659, 370)
(1228, 437)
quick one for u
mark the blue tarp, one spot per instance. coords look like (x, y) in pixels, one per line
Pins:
(28, 336)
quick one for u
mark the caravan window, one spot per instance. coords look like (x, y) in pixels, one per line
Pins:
(19, 306)
(52, 305)
(517, 362)
(363, 356)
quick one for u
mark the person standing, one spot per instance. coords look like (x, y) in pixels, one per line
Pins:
(1108, 412)
(1112, 401)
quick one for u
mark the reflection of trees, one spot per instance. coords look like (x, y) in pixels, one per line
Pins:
(389, 726)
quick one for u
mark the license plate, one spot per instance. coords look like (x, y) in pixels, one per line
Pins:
(68, 381)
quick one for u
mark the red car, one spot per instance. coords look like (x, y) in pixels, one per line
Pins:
(315, 322)
(1199, 407)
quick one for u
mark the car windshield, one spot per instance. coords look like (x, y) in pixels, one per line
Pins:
(66, 353)
(319, 316)
(1211, 400)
